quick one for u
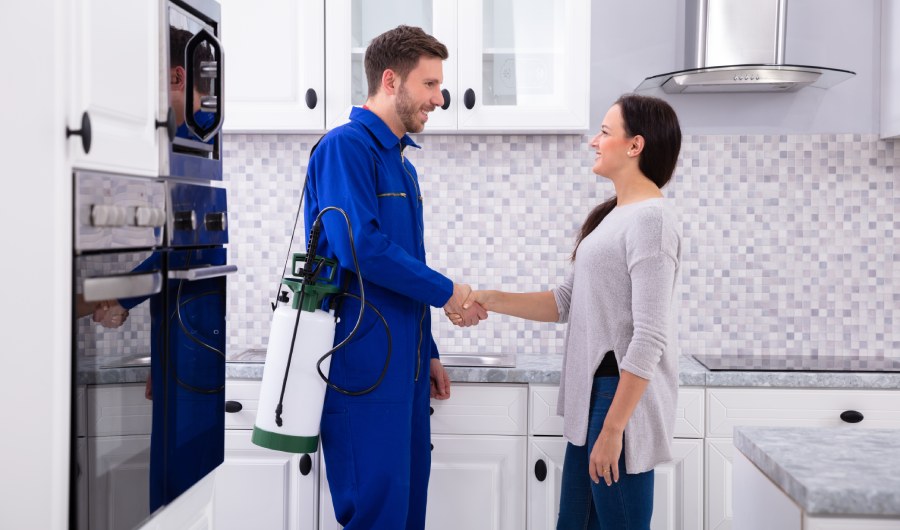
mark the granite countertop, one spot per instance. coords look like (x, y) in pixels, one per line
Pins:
(829, 470)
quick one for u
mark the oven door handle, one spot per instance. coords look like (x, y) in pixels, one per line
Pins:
(202, 273)
(122, 286)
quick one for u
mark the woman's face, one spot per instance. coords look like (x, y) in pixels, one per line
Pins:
(611, 144)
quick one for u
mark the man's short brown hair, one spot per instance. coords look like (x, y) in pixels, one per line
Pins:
(399, 49)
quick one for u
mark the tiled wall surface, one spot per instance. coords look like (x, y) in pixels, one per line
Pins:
(790, 242)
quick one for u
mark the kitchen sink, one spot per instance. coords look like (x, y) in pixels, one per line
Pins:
(487, 361)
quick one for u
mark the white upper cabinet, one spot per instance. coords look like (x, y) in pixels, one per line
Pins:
(275, 78)
(518, 65)
(114, 90)
(890, 70)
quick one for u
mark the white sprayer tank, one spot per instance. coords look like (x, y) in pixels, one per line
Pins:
(305, 390)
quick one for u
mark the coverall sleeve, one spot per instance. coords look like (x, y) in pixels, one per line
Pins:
(345, 178)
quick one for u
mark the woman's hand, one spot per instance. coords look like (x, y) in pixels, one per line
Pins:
(604, 460)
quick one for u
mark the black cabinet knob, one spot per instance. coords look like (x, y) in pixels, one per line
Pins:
(84, 132)
(311, 98)
(305, 464)
(233, 406)
(431, 411)
(469, 98)
(169, 124)
(540, 470)
(446, 94)
(852, 416)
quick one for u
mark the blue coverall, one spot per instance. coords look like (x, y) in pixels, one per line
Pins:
(377, 446)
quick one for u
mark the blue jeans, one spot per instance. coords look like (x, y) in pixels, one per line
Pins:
(584, 505)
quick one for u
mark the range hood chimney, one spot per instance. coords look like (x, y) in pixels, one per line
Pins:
(738, 46)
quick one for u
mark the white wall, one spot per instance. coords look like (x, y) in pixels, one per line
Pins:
(628, 45)
(35, 268)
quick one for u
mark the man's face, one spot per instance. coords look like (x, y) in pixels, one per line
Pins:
(419, 93)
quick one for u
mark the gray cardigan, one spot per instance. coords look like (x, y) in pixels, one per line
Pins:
(620, 297)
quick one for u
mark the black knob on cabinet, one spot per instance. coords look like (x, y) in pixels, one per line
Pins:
(446, 94)
(185, 220)
(305, 464)
(852, 416)
(540, 470)
(169, 124)
(84, 132)
(233, 406)
(469, 98)
(431, 411)
(432, 447)
(311, 98)
(215, 221)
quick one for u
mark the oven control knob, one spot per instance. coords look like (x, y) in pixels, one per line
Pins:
(143, 216)
(120, 215)
(216, 221)
(186, 220)
(159, 216)
(107, 215)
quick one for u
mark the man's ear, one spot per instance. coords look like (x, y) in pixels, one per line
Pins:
(390, 82)
(177, 74)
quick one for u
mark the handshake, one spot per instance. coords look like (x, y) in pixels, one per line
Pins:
(465, 307)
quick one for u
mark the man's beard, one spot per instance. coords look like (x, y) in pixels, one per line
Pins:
(408, 111)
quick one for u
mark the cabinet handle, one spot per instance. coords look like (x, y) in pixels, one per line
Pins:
(233, 406)
(305, 464)
(540, 470)
(169, 124)
(446, 94)
(84, 132)
(431, 411)
(852, 416)
(469, 98)
(311, 98)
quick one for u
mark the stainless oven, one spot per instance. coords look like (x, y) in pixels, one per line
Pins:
(192, 63)
(149, 297)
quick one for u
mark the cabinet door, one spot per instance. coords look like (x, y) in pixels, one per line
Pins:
(120, 492)
(261, 488)
(890, 69)
(525, 63)
(115, 80)
(477, 483)
(719, 470)
(678, 488)
(351, 26)
(276, 65)
(545, 459)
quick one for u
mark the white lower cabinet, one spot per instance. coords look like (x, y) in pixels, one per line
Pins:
(678, 485)
(257, 487)
(727, 408)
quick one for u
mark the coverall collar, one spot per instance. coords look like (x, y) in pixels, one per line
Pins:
(380, 130)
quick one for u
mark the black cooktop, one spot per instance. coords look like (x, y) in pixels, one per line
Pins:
(796, 363)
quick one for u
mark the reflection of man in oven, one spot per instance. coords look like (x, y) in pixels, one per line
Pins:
(178, 39)
(107, 313)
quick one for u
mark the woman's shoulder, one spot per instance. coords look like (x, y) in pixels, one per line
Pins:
(654, 225)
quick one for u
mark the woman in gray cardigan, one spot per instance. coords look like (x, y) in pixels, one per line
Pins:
(620, 372)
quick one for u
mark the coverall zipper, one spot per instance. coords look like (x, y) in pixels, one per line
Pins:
(419, 348)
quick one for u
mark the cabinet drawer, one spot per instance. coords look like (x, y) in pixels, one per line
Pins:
(115, 410)
(544, 420)
(247, 394)
(481, 409)
(728, 407)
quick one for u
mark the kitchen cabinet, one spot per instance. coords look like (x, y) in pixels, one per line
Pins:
(115, 86)
(276, 65)
(513, 66)
(117, 449)
(678, 485)
(257, 487)
(730, 407)
(477, 461)
(890, 70)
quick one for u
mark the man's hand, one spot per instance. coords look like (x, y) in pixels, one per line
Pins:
(110, 314)
(455, 311)
(440, 383)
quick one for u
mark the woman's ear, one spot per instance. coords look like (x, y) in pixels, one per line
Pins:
(636, 146)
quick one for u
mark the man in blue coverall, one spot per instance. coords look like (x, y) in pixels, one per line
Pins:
(377, 445)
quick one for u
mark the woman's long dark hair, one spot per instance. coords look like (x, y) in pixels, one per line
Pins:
(657, 122)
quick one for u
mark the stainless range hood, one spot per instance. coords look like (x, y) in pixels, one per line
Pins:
(738, 46)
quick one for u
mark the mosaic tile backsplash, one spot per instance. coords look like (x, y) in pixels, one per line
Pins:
(790, 242)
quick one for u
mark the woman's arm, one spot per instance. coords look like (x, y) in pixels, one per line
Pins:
(606, 451)
(539, 306)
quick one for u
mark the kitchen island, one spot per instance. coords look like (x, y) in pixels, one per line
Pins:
(794, 478)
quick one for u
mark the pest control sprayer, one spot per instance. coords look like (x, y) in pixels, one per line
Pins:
(298, 356)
